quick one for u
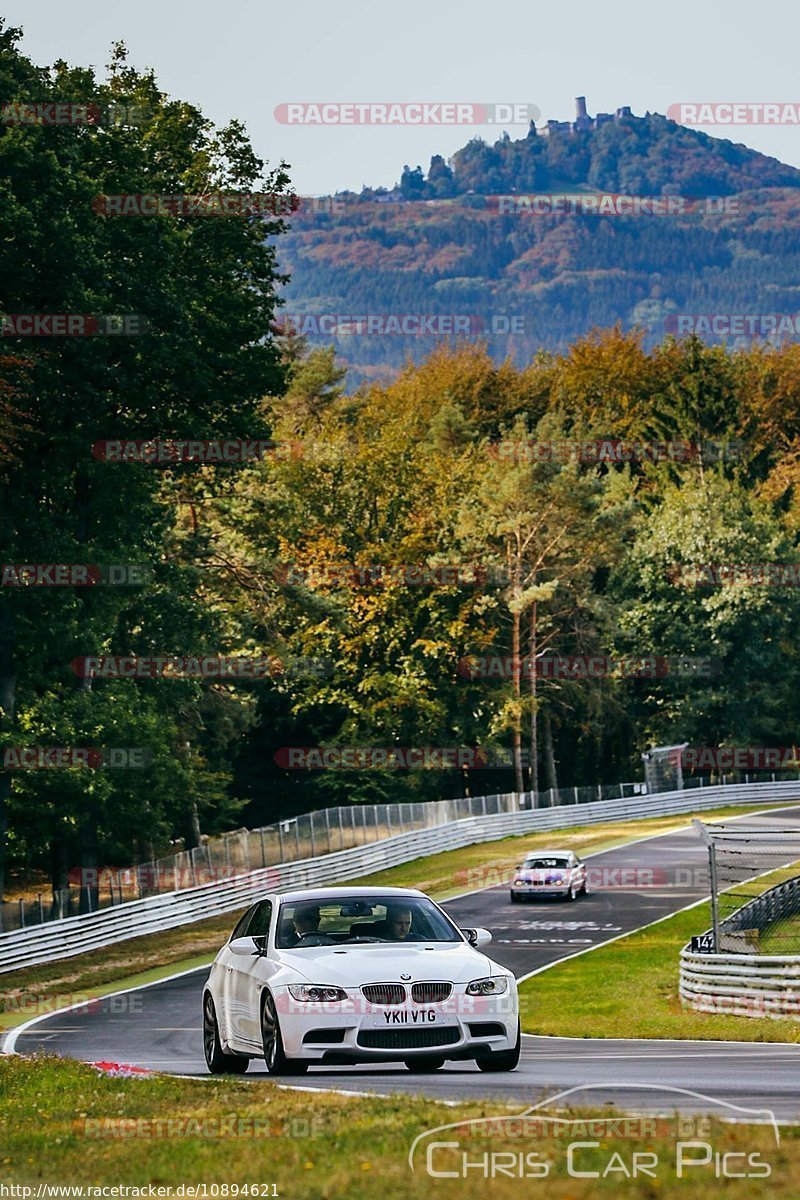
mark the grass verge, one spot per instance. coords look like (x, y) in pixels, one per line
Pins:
(61, 1121)
(47, 987)
(629, 989)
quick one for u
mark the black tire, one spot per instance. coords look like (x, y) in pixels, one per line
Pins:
(424, 1065)
(274, 1055)
(514, 897)
(217, 1060)
(501, 1060)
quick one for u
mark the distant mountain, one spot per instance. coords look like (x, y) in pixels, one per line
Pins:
(532, 243)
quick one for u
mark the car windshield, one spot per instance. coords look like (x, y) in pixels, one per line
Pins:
(546, 864)
(359, 920)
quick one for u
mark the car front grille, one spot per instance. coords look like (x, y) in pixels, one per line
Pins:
(430, 992)
(407, 1039)
(384, 993)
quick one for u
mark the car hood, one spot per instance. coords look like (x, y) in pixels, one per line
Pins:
(358, 965)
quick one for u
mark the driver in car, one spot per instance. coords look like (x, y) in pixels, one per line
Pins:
(305, 920)
(398, 924)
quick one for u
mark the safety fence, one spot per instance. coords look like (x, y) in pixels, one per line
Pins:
(90, 931)
(769, 922)
(294, 839)
(751, 966)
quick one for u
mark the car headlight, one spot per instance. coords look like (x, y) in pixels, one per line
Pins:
(492, 985)
(313, 993)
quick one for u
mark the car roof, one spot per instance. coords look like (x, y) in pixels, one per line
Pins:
(548, 853)
(334, 893)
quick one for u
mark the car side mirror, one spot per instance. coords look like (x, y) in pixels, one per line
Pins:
(477, 937)
(260, 944)
(242, 945)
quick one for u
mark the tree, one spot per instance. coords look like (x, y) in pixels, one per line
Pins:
(746, 630)
(205, 285)
(540, 525)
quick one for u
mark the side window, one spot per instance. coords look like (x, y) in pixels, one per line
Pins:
(262, 915)
(240, 929)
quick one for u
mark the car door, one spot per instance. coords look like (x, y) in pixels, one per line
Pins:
(245, 977)
(226, 965)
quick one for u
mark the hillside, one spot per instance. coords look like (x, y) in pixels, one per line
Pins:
(468, 240)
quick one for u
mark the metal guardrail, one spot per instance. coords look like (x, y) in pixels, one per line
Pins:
(739, 980)
(743, 985)
(92, 931)
(290, 840)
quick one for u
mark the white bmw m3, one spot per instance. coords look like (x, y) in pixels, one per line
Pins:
(357, 975)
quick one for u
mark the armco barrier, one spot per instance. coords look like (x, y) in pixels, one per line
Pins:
(742, 981)
(75, 935)
(745, 985)
(292, 839)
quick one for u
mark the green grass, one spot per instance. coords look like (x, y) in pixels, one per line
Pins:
(629, 989)
(325, 1146)
(783, 937)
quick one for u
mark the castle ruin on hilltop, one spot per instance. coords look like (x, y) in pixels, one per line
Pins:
(583, 120)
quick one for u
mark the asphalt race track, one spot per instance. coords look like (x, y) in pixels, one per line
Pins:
(159, 1026)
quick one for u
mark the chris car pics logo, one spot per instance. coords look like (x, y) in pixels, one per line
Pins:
(536, 1146)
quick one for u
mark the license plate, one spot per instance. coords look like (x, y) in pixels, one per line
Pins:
(417, 1016)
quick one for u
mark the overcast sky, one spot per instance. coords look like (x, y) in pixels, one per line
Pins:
(244, 57)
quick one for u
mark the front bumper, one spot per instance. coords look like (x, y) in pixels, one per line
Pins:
(541, 889)
(358, 1031)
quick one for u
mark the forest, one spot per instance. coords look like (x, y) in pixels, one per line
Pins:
(426, 563)
(488, 238)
